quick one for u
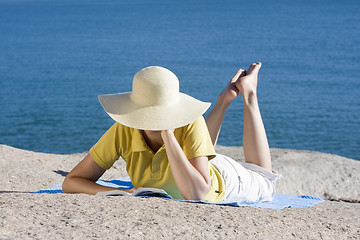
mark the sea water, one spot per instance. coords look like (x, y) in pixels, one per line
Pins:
(57, 56)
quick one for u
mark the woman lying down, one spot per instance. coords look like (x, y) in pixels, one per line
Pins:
(167, 144)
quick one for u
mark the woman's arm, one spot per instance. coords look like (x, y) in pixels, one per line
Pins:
(83, 177)
(192, 177)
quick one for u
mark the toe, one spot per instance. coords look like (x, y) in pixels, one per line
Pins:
(251, 68)
(255, 67)
(239, 73)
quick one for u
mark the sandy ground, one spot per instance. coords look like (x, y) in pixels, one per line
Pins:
(61, 216)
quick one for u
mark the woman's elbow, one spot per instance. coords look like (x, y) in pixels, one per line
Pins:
(66, 185)
(199, 194)
(205, 191)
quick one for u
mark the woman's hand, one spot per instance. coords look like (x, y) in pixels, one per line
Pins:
(166, 133)
(130, 190)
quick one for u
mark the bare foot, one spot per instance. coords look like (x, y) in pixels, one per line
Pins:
(247, 85)
(231, 91)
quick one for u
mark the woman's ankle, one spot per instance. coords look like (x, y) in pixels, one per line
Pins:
(250, 98)
(223, 102)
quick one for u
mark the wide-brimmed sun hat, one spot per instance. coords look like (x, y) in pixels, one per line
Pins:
(155, 102)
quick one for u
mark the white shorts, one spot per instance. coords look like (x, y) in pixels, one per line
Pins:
(245, 182)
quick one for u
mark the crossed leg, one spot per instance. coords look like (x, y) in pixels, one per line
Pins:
(255, 143)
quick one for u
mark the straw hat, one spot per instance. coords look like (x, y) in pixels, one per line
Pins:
(155, 102)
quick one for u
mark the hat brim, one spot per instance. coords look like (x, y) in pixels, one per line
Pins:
(122, 109)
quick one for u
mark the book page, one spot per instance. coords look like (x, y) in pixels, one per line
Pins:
(113, 193)
(151, 192)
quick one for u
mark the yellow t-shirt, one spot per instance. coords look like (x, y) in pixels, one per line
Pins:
(149, 169)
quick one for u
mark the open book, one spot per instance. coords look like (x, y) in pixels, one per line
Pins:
(140, 192)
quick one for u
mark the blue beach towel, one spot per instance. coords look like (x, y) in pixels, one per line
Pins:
(280, 201)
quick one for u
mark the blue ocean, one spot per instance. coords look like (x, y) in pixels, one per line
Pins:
(56, 56)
